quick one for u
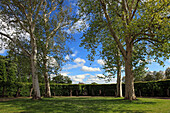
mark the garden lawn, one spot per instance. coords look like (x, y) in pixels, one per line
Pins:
(85, 105)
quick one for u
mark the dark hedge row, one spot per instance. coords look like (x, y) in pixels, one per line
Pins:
(158, 88)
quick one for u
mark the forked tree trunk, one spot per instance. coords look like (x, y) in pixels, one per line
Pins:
(47, 84)
(129, 78)
(35, 81)
(45, 71)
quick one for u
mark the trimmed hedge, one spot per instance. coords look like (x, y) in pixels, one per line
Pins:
(151, 88)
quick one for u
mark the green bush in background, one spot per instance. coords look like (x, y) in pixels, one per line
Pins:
(149, 89)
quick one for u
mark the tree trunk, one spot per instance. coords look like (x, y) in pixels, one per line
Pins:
(168, 92)
(119, 82)
(71, 92)
(47, 84)
(140, 93)
(18, 91)
(31, 92)
(45, 71)
(129, 78)
(34, 70)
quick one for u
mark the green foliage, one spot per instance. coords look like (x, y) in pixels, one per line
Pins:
(167, 73)
(150, 76)
(61, 79)
(149, 89)
(3, 73)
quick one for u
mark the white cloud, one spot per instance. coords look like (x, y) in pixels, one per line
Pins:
(78, 26)
(52, 75)
(52, 62)
(93, 78)
(65, 73)
(100, 75)
(79, 60)
(90, 69)
(79, 63)
(78, 78)
(101, 62)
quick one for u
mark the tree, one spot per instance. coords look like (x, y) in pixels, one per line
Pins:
(22, 64)
(62, 79)
(3, 74)
(140, 73)
(52, 40)
(93, 83)
(113, 62)
(24, 15)
(130, 24)
(167, 73)
(149, 77)
(159, 75)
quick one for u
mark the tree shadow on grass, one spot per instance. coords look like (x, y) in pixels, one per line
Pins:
(75, 105)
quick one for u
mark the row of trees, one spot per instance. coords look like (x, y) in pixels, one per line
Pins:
(37, 29)
(152, 76)
(16, 69)
(125, 32)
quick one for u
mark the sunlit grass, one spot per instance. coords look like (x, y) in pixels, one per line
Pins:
(85, 105)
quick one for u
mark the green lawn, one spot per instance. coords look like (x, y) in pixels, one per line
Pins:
(85, 105)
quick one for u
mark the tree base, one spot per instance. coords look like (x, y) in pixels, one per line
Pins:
(119, 96)
(47, 96)
(36, 98)
(130, 98)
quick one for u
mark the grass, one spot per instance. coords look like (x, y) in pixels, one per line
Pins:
(85, 105)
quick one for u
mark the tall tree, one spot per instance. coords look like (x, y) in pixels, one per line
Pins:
(24, 15)
(56, 17)
(113, 62)
(62, 79)
(3, 73)
(131, 23)
(167, 73)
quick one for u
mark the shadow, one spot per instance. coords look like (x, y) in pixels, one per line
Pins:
(74, 105)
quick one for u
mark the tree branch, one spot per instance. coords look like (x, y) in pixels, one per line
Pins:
(125, 9)
(22, 26)
(111, 29)
(16, 42)
(134, 10)
(148, 39)
(37, 11)
(54, 31)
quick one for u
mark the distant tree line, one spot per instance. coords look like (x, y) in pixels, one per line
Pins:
(14, 69)
(152, 76)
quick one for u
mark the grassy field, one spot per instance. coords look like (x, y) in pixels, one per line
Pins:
(85, 105)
